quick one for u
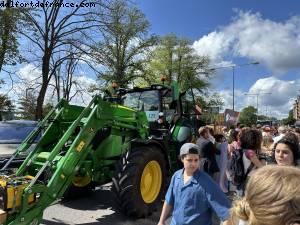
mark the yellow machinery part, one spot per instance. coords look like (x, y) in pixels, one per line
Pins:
(12, 191)
(81, 181)
(14, 196)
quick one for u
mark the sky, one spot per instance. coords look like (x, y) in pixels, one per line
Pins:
(239, 32)
(230, 32)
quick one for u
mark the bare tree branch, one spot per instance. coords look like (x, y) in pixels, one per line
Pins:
(52, 31)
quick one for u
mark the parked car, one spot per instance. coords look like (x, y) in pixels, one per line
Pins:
(12, 133)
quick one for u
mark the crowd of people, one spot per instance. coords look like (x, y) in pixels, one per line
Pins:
(268, 194)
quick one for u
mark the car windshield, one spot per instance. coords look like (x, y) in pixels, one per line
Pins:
(14, 134)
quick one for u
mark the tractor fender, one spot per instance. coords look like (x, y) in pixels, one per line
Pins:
(152, 142)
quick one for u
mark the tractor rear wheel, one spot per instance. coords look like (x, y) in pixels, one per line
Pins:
(140, 180)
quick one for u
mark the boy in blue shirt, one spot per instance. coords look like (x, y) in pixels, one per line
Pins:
(192, 194)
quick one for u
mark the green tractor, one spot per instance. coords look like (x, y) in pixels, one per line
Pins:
(131, 138)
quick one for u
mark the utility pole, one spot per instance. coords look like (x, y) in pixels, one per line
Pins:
(257, 95)
(233, 66)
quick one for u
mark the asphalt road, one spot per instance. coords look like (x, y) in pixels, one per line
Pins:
(96, 209)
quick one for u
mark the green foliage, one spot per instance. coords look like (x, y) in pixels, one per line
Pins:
(248, 116)
(9, 53)
(5, 103)
(207, 104)
(6, 106)
(125, 43)
(210, 101)
(289, 120)
(175, 59)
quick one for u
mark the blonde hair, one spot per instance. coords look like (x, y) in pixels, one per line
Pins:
(272, 197)
(203, 130)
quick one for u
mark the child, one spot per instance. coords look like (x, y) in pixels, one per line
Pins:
(192, 194)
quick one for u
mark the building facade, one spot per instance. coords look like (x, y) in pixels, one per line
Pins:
(296, 108)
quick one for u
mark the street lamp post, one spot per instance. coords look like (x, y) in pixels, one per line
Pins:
(233, 75)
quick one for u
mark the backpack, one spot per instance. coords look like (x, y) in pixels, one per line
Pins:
(236, 168)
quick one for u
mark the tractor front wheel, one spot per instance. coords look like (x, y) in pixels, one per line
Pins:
(81, 186)
(140, 181)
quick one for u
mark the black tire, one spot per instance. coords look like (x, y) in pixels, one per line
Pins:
(127, 182)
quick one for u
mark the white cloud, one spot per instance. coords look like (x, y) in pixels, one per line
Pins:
(239, 99)
(24, 79)
(214, 45)
(28, 80)
(29, 73)
(276, 104)
(276, 44)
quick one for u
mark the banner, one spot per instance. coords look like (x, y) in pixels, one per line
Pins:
(231, 117)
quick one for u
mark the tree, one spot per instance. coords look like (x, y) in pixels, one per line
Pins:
(64, 76)
(52, 29)
(125, 43)
(248, 116)
(208, 106)
(214, 100)
(9, 53)
(6, 106)
(290, 119)
(28, 106)
(175, 59)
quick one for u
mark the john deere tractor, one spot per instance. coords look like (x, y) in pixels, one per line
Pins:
(131, 138)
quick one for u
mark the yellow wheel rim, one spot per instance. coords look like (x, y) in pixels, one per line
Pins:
(81, 181)
(151, 182)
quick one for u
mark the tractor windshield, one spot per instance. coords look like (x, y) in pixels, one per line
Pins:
(144, 101)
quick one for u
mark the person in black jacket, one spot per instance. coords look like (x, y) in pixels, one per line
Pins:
(209, 151)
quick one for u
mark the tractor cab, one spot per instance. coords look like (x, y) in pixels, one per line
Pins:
(157, 103)
(168, 111)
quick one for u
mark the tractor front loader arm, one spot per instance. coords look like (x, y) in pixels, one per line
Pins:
(25, 195)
